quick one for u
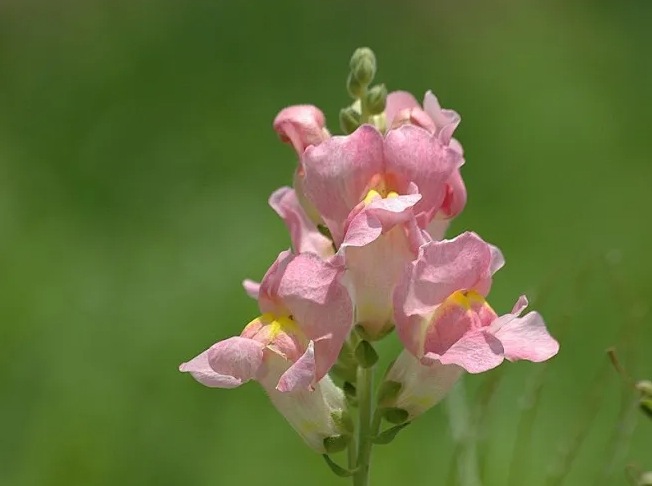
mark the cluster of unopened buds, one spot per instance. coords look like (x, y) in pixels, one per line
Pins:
(367, 217)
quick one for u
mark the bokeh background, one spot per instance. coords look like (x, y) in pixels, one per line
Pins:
(136, 159)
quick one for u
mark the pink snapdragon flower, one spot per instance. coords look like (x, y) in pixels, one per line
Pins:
(447, 326)
(402, 109)
(306, 317)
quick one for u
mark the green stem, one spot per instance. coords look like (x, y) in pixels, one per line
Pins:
(365, 426)
(352, 454)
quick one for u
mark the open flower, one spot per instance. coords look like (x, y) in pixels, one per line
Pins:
(289, 349)
(447, 326)
(442, 315)
(343, 171)
(404, 109)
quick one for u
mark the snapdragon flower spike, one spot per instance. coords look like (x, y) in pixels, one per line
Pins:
(403, 109)
(306, 317)
(442, 315)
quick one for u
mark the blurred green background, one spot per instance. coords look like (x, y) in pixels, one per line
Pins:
(136, 159)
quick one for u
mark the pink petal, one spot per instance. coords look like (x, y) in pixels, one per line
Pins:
(413, 155)
(446, 121)
(450, 323)
(268, 291)
(437, 228)
(251, 288)
(301, 125)
(413, 116)
(476, 352)
(338, 172)
(446, 266)
(226, 377)
(498, 262)
(303, 232)
(201, 371)
(526, 338)
(455, 199)
(301, 374)
(313, 292)
(398, 101)
(373, 271)
(236, 357)
(366, 223)
(520, 306)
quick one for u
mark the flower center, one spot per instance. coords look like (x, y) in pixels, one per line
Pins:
(473, 301)
(283, 324)
(373, 194)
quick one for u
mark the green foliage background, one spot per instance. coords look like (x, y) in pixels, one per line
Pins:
(136, 159)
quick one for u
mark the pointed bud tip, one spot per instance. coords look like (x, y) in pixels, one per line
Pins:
(363, 65)
(377, 99)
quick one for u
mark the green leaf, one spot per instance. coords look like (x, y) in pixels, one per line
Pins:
(389, 435)
(337, 469)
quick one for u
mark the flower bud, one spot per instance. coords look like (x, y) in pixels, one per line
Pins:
(645, 479)
(354, 87)
(349, 120)
(645, 388)
(377, 99)
(363, 65)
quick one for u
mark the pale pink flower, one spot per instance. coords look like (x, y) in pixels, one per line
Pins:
(442, 316)
(342, 171)
(289, 349)
(402, 109)
(305, 304)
